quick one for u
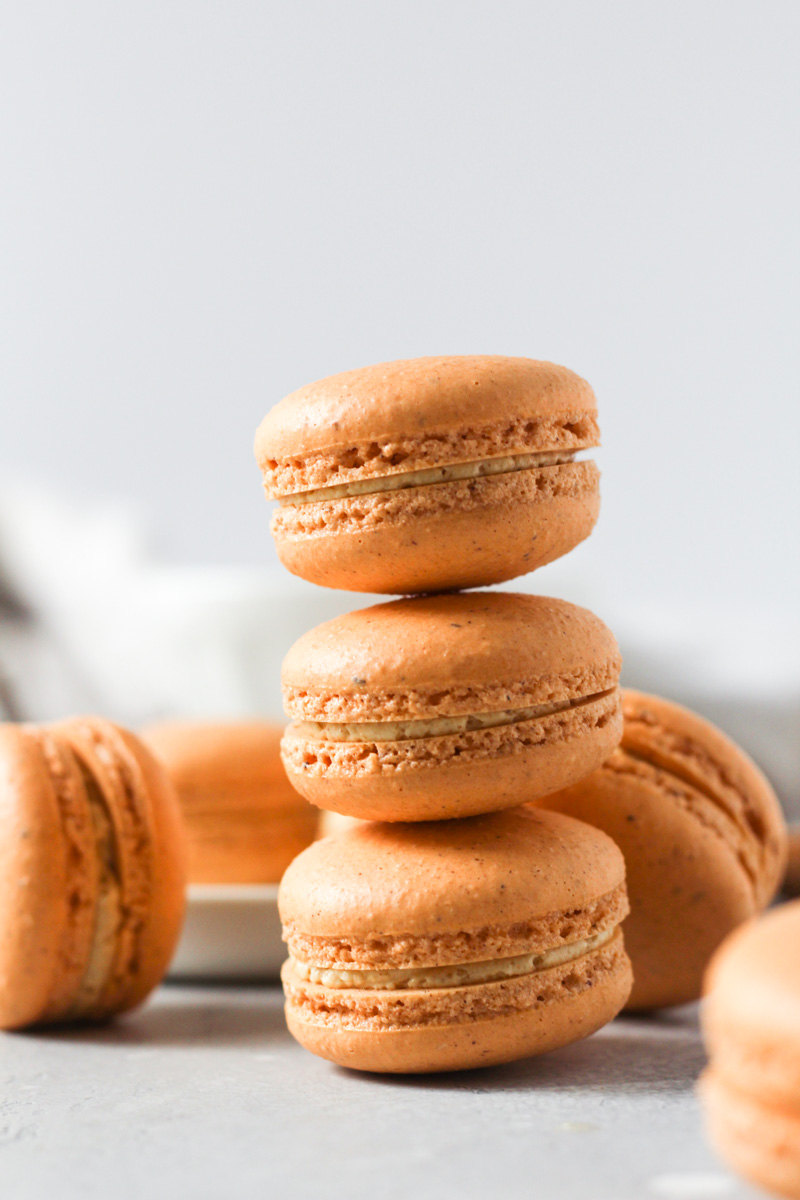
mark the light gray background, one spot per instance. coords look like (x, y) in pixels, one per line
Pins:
(206, 205)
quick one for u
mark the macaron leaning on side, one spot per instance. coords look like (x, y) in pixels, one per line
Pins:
(446, 706)
(91, 871)
(703, 837)
(431, 474)
(751, 1022)
(244, 821)
(443, 946)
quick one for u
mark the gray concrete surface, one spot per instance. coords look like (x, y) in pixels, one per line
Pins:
(203, 1095)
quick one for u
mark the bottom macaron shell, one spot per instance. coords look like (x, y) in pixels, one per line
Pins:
(760, 1142)
(439, 778)
(443, 537)
(566, 1005)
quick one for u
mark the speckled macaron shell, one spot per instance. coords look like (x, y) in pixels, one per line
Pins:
(91, 872)
(436, 658)
(429, 414)
(751, 1022)
(244, 821)
(702, 834)
(450, 895)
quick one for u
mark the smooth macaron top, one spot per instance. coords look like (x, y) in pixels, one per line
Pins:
(443, 877)
(752, 987)
(448, 655)
(692, 750)
(408, 415)
(204, 757)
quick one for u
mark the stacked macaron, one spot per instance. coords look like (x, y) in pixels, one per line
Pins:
(449, 932)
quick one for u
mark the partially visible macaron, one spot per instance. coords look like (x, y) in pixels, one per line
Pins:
(751, 1022)
(431, 474)
(703, 837)
(446, 706)
(791, 879)
(442, 946)
(244, 821)
(92, 873)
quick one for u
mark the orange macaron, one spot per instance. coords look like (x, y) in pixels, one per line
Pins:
(791, 879)
(751, 1022)
(447, 706)
(244, 821)
(431, 474)
(703, 837)
(92, 875)
(442, 946)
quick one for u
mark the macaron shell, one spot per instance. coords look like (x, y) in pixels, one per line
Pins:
(691, 748)
(244, 822)
(791, 879)
(223, 762)
(686, 884)
(48, 882)
(437, 655)
(759, 1141)
(143, 809)
(443, 778)
(438, 877)
(164, 917)
(751, 1015)
(247, 850)
(449, 535)
(463, 1046)
(416, 399)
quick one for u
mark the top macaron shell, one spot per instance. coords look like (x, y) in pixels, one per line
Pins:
(445, 530)
(374, 695)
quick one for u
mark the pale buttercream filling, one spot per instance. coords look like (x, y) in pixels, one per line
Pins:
(398, 731)
(459, 975)
(432, 475)
(108, 907)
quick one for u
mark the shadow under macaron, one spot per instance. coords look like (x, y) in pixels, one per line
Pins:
(660, 1052)
(219, 1020)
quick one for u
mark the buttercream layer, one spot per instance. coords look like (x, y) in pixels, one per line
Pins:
(385, 508)
(363, 703)
(464, 975)
(294, 461)
(419, 951)
(503, 465)
(392, 731)
(126, 850)
(377, 1009)
(108, 913)
(315, 756)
